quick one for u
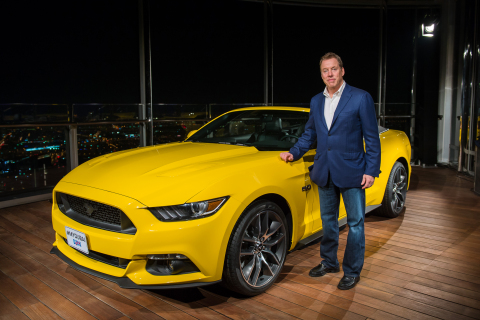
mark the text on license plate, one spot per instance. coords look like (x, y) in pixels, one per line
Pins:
(77, 239)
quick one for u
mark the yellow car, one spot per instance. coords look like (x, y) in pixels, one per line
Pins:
(220, 205)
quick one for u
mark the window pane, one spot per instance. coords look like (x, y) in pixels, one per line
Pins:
(31, 159)
(97, 140)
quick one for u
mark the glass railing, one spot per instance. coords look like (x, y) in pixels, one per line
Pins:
(398, 116)
(216, 109)
(96, 140)
(100, 112)
(34, 147)
(105, 128)
(162, 111)
(172, 122)
(27, 113)
(31, 159)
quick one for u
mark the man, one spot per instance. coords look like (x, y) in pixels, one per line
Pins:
(340, 119)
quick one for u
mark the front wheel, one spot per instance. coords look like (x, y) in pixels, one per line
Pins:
(257, 249)
(395, 193)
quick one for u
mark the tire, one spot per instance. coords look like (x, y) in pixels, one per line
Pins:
(395, 192)
(257, 249)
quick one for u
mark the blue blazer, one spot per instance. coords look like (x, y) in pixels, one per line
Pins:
(340, 150)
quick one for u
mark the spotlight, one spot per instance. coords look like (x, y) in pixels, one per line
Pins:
(429, 23)
(427, 31)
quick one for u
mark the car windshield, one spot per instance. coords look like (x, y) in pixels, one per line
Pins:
(263, 129)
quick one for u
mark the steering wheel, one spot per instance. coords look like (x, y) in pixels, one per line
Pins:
(289, 136)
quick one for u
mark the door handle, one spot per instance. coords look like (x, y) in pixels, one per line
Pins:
(307, 187)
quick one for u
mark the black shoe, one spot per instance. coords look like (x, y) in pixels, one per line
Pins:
(322, 270)
(348, 282)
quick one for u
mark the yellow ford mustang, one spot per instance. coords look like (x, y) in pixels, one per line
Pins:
(220, 205)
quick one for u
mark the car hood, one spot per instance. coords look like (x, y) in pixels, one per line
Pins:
(165, 174)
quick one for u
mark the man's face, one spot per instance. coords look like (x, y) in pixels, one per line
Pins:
(332, 74)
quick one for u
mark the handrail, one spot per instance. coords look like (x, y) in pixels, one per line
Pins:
(399, 116)
(60, 124)
(181, 119)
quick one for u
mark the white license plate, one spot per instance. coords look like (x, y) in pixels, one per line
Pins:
(77, 240)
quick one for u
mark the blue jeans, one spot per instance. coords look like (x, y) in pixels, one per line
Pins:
(354, 199)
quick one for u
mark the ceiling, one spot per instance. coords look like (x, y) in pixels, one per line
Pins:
(358, 3)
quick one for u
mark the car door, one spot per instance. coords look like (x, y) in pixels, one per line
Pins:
(312, 207)
(315, 204)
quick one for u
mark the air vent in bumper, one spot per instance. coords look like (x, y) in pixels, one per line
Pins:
(105, 258)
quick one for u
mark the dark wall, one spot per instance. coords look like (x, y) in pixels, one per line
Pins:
(302, 35)
(69, 51)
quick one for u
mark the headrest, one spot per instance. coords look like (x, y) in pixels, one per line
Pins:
(274, 125)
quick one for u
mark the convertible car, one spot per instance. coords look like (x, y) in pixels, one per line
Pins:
(220, 205)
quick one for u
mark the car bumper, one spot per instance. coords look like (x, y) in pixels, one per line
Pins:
(125, 282)
(202, 241)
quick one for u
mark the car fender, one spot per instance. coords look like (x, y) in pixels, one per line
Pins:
(395, 146)
(266, 184)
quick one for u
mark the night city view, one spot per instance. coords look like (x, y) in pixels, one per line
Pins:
(31, 158)
(35, 157)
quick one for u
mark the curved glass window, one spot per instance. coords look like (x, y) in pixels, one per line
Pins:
(264, 129)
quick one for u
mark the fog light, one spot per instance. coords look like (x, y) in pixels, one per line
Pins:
(166, 267)
(170, 256)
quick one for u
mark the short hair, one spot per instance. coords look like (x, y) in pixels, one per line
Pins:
(331, 55)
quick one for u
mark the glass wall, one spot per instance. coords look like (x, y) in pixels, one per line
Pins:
(95, 112)
(31, 159)
(303, 34)
(172, 122)
(397, 117)
(32, 153)
(96, 140)
(400, 41)
(21, 113)
(207, 51)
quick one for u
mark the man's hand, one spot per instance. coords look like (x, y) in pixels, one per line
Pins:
(286, 156)
(367, 181)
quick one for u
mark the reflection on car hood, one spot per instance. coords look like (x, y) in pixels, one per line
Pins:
(161, 175)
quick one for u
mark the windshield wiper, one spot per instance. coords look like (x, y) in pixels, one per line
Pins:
(201, 141)
(269, 148)
(234, 143)
(221, 142)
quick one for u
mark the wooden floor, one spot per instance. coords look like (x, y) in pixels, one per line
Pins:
(421, 265)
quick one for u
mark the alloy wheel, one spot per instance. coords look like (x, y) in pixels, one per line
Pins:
(399, 190)
(262, 249)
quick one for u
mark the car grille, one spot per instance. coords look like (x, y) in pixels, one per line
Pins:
(94, 214)
(101, 212)
(105, 258)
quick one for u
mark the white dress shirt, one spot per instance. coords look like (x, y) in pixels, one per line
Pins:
(331, 104)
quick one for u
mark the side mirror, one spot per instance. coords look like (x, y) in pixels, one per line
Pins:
(191, 133)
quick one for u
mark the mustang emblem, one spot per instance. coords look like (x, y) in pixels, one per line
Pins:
(89, 208)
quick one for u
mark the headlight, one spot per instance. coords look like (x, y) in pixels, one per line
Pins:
(188, 211)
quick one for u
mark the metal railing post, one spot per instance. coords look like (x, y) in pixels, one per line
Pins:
(414, 87)
(71, 140)
(268, 52)
(72, 147)
(476, 182)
